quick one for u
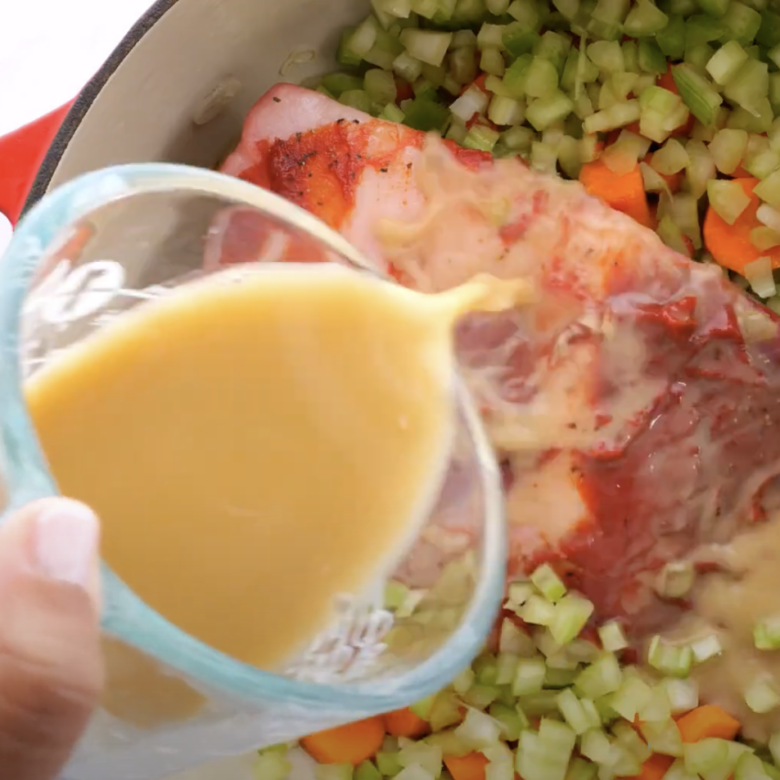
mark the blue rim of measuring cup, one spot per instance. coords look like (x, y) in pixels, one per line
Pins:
(125, 615)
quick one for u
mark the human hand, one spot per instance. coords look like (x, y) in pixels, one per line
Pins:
(51, 669)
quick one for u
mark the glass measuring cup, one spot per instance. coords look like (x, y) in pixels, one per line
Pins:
(107, 242)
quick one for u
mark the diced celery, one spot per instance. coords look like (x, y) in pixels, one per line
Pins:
(676, 577)
(611, 634)
(677, 771)
(538, 760)
(505, 111)
(671, 39)
(671, 158)
(381, 88)
(580, 769)
(554, 47)
(742, 22)
(413, 772)
(516, 75)
(670, 659)
(462, 65)
(384, 51)
(632, 696)
(759, 275)
(407, 67)
(703, 28)
(529, 677)
(683, 209)
(567, 8)
(766, 633)
(574, 713)
(518, 40)
(714, 7)
(356, 98)
(571, 614)
(603, 676)
(727, 149)
(492, 62)
(758, 120)
(548, 583)
(764, 238)
(619, 115)
(526, 12)
(388, 763)
(749, 767)
(652, 180)
(426, 45)
(644, 19)
(700, 97)
(497, 7)
(336, 83)
(706, 648)
(491, 36)
(519, 139)
(334, 771)
(478, 730)
(683, 695)
(699, 55)
(472, 101)
(726, 62)
(392, 113)
(704, 756)
(273, 765)
(769, 32)
(662, 736)
(762, 164)
(425, 115)
(596, 746)
(769, 189)
(544, 111)
(650, 57)
(541, 78)
(749, 85)
(607, 56)
(421, 754)
(367, 770)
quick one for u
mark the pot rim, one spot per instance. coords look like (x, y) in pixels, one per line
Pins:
(87, 97)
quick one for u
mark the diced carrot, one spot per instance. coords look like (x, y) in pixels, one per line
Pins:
(349, 744)
(633, 128)
(655, 767)
(404, 723)
(706, 721)
(730, 245)
(740, 173)
(673, 180)
(404, 90)
(468, 767)
(624, 193)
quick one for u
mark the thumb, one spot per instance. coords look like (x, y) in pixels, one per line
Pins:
(50, 662)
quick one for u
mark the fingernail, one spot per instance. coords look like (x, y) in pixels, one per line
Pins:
(66, 540)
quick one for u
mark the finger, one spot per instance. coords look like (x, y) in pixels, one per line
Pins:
(50, 663)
